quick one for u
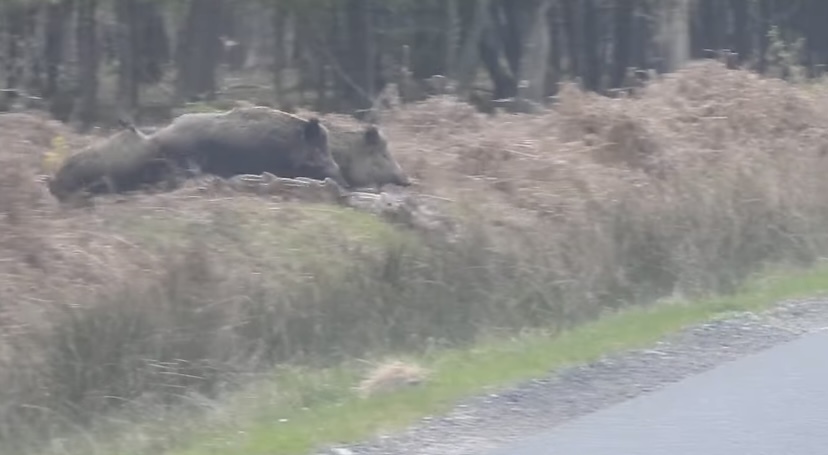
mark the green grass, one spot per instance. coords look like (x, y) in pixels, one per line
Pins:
(304, 234)
(298, 411)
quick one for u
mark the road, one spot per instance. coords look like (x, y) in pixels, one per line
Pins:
(773, 402)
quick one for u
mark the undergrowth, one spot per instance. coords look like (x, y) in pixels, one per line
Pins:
(147, 301)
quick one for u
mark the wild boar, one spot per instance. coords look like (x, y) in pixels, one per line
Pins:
(249, 140)
(124, 162)
(364, 158)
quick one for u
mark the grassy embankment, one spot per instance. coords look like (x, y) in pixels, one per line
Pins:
(143, 325)
(342, 415)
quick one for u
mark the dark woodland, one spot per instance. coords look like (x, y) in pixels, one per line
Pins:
(84, 59)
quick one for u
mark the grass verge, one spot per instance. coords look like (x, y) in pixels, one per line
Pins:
(294, 424)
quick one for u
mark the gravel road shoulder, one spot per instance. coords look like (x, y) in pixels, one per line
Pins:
(486, 422)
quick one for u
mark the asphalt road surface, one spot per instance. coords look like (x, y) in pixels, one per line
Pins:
(774, 402)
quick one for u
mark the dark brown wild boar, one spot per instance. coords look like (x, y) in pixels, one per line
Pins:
(364, 158)
(250, 140)
(126, 161)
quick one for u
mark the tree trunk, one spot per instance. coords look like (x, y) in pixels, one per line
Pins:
(510, 23)
(150, 42)
(468, 58)
(590, 46)
(279, 61)
(33, 74)
(15, 27)
(624, 10)
(505, 85)
(673, 34)
(642, 35)
(198, 51)
(452, 37)
(534, 64)
(360, 92)
(88, 60)
(712, 21)
(125, 11)
(765, 18)
(741, 38)
(571, 21)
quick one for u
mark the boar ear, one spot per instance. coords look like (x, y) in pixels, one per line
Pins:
(126, 123)
(313, 129)
(372, 135)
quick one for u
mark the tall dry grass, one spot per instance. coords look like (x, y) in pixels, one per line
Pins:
(702, 178)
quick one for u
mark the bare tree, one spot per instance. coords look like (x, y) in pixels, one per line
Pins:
(280, 21)
(452, 32)
(623, 19)
(468, 59)
(198, 50)
(125, 38)
(361, 63)
(674, 34)
(535, 62)
(88, 60)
